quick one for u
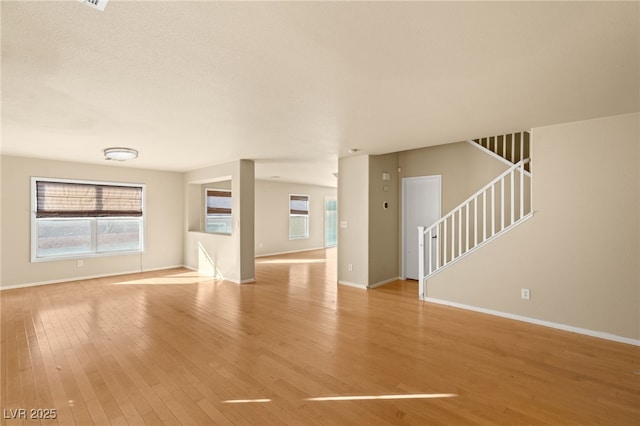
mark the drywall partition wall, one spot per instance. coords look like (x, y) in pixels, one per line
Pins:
(224, 256)
(1, 218)
(272, 217)
(163, 232)
(246, 206)
(579, 253)
(383, 219)
(353, 221)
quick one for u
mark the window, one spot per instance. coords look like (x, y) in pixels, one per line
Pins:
(298, 216)
(80, 219)
(330, 222)
(218, 216)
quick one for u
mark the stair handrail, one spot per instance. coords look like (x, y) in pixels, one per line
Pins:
(422, 231)
(477, 193)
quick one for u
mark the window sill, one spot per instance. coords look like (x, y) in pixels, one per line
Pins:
(82, 256)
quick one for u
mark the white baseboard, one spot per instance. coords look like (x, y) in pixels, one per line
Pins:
(347, 283)
(381, 283)
(592, 333)
(289, 252)
(88, 277)
(367, 287)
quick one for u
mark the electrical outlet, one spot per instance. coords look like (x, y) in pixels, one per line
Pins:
(526, 294)
(79, 263)
(350, 267)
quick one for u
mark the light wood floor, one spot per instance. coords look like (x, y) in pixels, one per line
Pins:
(171, 347)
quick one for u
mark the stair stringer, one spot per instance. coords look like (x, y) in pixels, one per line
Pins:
(477, 247)
(498, 207)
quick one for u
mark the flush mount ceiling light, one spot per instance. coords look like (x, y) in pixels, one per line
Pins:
(96, 4)
(120, 154)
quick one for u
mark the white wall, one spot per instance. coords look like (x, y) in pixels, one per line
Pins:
(579, 253)
(353, 211)
(173, 236)
(164, 216)
(224, 256)
(272, 217)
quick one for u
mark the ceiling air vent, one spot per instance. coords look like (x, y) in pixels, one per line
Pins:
(96, 4)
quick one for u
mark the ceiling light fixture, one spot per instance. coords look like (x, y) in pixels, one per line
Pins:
(96, 4)
(120, 154)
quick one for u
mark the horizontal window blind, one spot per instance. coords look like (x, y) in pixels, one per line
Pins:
(65, 199)
(299, 204)
(218, 202)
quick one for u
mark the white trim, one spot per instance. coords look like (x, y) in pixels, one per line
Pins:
(93, 253)
(347, 283)
(308, 216)
(564, 327)
(291, 251)
(88, 277)
(496, 156)
(206, 209)
(381, 283)
(403, 219)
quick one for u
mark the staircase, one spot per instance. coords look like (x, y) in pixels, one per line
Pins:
(499, 206)
(509, 148)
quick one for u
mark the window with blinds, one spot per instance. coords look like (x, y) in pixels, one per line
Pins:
(298, 216)
(218, 215)
(72, 219)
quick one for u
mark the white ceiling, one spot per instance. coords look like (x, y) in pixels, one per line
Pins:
(294, 85)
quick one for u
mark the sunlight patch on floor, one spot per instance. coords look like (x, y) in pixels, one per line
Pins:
(373, 397)
(164, 281)
(185, 278)
(355, 397)
(287, 261)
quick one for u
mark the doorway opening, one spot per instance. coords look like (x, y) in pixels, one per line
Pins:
(330, 222)
(421, 206)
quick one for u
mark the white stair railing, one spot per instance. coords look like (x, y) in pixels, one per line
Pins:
(511, 148)
(498, 206)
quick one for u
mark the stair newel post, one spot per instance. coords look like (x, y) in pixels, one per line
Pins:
(421, 273)
(522, 190)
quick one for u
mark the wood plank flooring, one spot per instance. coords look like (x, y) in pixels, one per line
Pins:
(172, 347)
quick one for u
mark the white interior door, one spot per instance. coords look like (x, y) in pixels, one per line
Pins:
(420, 207)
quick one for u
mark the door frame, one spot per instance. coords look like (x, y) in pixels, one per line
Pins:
(403, 215)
